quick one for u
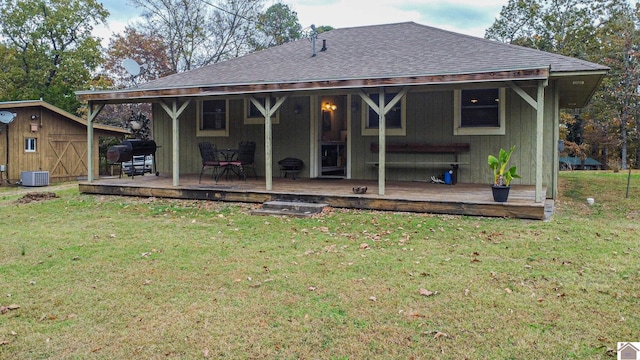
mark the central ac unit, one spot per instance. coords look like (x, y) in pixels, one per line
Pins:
(34, 178)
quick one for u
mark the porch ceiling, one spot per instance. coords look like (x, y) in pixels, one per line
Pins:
(576, 89)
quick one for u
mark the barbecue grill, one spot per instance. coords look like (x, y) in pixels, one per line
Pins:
(125, 152)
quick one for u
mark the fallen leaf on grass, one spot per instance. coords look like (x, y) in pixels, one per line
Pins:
(4, 342)
(425, 292)
(415, 314)
(47, 317)
(5, 309)
(508, 291)
(312, 288)
(373, 298)
(364, 246)
(440, 335)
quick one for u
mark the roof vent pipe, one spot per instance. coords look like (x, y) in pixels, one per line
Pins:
(314, 36)
(324, 45)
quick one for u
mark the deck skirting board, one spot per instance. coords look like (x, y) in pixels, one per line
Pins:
(455, 206)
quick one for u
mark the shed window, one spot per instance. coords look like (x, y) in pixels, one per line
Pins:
(213, 119)
(479, 112)
(253, 116)
(30, 144)
(395, 119)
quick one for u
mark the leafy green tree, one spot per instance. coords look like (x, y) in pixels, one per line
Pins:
(615, 107)
(559, 26)
(323, 28)
(49, 49)
(603, 31)
(278, 25)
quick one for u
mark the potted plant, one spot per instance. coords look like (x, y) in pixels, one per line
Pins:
(501, 175)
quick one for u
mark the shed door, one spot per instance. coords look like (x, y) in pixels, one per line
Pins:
(67, 155)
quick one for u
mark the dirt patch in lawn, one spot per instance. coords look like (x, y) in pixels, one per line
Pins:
(36, 196)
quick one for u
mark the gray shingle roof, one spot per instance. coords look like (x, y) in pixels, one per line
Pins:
(369, 52)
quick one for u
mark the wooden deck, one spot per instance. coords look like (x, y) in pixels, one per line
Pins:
(459, 199)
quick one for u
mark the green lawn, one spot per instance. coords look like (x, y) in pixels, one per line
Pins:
(98, 277)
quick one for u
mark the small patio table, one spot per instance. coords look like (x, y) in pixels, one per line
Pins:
(233, 165)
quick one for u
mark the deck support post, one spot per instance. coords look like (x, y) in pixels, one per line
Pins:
(382, 140)
(267, 111)
(174, 112)
(539, 140)
(538, 105)
(382, 109)
(92, 113)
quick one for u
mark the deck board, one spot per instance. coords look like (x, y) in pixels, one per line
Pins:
(459, 199)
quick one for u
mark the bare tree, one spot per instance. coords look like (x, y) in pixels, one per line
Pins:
(198, 32)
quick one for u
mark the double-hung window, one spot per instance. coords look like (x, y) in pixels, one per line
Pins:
(213, 118)
(395, 119)
(479, 112)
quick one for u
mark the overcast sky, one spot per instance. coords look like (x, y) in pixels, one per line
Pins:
(470, 17)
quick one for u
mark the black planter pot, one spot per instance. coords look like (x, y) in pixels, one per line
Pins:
(500, 193)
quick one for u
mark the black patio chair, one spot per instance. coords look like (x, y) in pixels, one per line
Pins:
(209, 155)
(246, 156)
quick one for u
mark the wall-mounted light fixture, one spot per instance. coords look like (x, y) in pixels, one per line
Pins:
(329, 107)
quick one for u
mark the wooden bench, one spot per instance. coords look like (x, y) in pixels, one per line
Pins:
(421, 148)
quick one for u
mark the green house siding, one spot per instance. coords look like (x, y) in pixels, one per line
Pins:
(429, 119)
(290, 136)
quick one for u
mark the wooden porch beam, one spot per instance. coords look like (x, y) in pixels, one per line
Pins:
(445, 79)
(174, 112)
(539, 141)
(272, 110)
(382, 109)
(396, 99)
(92, 113)
(538, 105)
(382, 140)
(267, 111)
(523, 94)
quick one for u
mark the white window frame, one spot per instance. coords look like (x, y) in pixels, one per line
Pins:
(212, 133)
(259, 120)
(373, 131)
(458, 129)
(30, 144)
